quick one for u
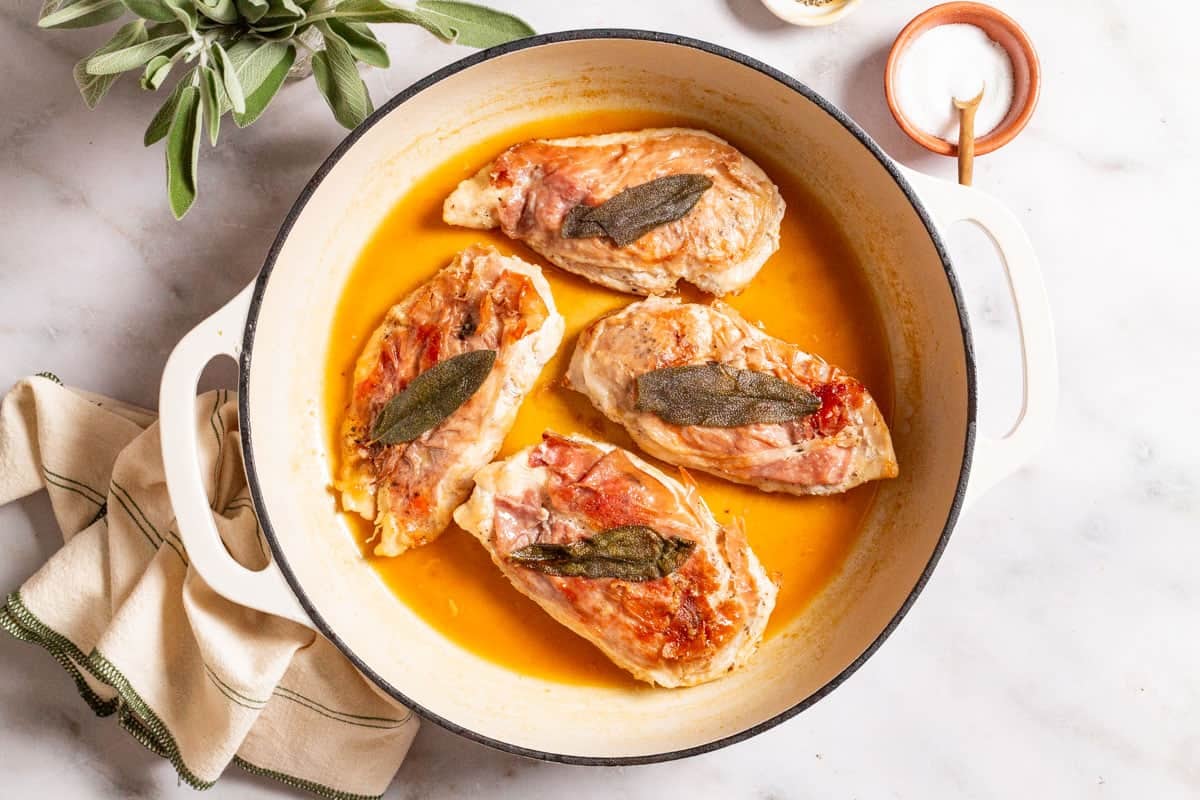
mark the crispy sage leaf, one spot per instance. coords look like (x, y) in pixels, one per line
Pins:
(337, 77)
(630, 552)
(94, 87)
(636, 211)
(183, 149)
(432, 396)
(79, 13)
(718, 396)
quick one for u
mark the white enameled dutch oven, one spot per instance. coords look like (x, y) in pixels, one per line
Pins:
(278, 329)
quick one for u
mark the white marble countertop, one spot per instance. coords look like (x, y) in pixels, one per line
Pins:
(1054, 653)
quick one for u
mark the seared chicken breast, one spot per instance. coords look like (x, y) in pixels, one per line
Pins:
(842, 443)
(694, 624)
(719, 245)
(482, 301)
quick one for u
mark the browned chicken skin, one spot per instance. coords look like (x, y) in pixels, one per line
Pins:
(718, 246)
(845, 443)
(483, 301)
(692, 626)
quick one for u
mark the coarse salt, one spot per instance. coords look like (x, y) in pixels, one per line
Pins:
(948, 62)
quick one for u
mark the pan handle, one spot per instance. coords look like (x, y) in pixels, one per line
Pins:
(997, 458)
(264, 590)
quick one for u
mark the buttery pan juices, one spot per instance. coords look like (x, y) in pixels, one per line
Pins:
(232, 57)
(628, 557)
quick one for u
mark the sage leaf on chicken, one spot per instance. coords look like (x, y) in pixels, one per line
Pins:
(432, 396)
(627, 552)
(719, 396)
(634, 212)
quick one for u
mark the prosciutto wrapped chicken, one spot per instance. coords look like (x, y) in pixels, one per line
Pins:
(635, 211)
(625, 556)
(699, 386)
(472, 341)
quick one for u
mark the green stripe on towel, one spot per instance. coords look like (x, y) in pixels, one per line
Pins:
(135, 715)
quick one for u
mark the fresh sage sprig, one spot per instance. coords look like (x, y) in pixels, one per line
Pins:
(232, 56)
(628, 552)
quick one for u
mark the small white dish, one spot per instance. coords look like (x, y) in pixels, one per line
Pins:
(797, 12)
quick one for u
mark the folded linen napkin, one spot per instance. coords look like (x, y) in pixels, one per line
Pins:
(197, 679)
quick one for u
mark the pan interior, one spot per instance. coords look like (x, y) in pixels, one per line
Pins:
(284, 388)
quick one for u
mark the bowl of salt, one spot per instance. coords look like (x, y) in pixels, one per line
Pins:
(955, 50)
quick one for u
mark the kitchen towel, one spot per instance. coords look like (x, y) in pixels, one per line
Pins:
(194, 677)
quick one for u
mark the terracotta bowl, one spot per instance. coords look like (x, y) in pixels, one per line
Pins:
(1002, 29)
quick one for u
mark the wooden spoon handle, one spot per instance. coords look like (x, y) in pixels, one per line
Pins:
(966, 145)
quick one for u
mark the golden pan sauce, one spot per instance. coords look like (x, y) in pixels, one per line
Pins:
(810, 293)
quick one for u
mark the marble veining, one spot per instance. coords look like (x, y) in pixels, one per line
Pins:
(1054, 652)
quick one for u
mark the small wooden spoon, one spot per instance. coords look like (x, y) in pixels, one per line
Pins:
(966, 136)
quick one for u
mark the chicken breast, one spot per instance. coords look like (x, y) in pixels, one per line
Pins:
(843, 444)
(696, 624)
(718, 246)
(482, 301)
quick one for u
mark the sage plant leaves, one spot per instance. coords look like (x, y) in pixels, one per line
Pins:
(157, 70)
(262, 73)
(94, 87)
(336, 73)
(463, 23)
(79, 13)
(183, 150)
(152, 10)
(161, 122)
(235, 55)
(223, 11)
(719, 396)
(133, 57)
(628, 552)
(362, 42)
(469, 24)
(210, 103)
(253, 10)
(229, 79)
(432, 396)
